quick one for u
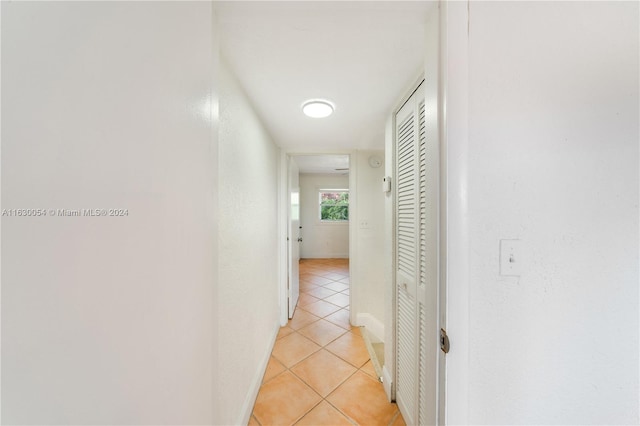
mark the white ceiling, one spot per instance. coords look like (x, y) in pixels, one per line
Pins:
(360, 55)
(323, 164)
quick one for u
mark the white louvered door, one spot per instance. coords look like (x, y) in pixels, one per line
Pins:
(407, 259)
(416, 263)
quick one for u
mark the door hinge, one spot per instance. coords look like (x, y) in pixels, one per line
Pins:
(444, 341)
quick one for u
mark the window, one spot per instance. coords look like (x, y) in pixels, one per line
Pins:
(334, 205)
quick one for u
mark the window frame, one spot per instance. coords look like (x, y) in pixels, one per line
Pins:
(319, 204)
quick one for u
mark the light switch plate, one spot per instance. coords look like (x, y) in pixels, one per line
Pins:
(511, 258)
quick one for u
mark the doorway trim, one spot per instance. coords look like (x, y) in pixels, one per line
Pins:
(435, 75)
(454, 130)
(283, 225)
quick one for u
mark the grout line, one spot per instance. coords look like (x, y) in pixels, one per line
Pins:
(321, 347)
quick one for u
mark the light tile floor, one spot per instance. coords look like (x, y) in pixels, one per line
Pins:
(319, 372)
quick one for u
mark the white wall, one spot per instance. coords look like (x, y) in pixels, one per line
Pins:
(553, 161)
(108, 320)
(368, 262)
(248, 262)
(321, 240)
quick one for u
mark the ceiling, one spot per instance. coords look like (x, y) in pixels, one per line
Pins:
(360, 55)
(323, 164)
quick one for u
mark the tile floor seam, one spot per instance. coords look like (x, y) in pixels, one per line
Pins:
(332, 390)
(306, 412)
(343, 413)
(341, 383)
(325, 398)
(336, 320)
(312, 388)
(301, 335)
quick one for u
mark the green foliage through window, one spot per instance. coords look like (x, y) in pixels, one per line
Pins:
(334, 205)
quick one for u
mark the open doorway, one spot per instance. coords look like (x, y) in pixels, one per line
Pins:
(318, 204)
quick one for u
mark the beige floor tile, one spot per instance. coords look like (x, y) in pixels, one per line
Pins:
(336, 286)
(322, 332)
(292, 349)
(307, 287)
(274, 367)
(339, 299)
(340, 318)
(351, 348)
(276, 405)
(369, 369)
(300, 370)
(314, 271)
(335, 276)
(324, 414)
(323, 371)
(321, 292)
(319, 280)
(306, 299)
(362, 399)
(321, 308)
(284, 331)
(301, 318)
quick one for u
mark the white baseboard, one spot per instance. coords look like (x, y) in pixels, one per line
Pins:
(249, 402)
(387, 382)
(374, 326)
(324, 256)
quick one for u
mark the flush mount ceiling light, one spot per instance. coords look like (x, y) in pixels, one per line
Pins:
(317, 108)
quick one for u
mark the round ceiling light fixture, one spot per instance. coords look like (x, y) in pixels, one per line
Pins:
(317, 108)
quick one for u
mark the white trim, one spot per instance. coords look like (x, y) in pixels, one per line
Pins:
(283, 228)
(283, 267)
(387, 382)
(373, 325)
(454, 50)
(254, 388)
(390, 253)
(354, 291)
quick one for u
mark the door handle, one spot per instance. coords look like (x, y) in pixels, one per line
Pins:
(444, 341)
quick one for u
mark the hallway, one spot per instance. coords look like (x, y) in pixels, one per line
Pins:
(320, 372)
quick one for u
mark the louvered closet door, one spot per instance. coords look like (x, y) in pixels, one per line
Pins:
(416, 262)
(428, 331)
(407, 251)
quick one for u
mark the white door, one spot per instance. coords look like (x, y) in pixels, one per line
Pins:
(294, 236)
(416, 158)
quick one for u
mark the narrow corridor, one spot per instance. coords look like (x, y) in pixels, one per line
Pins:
(320, 372)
